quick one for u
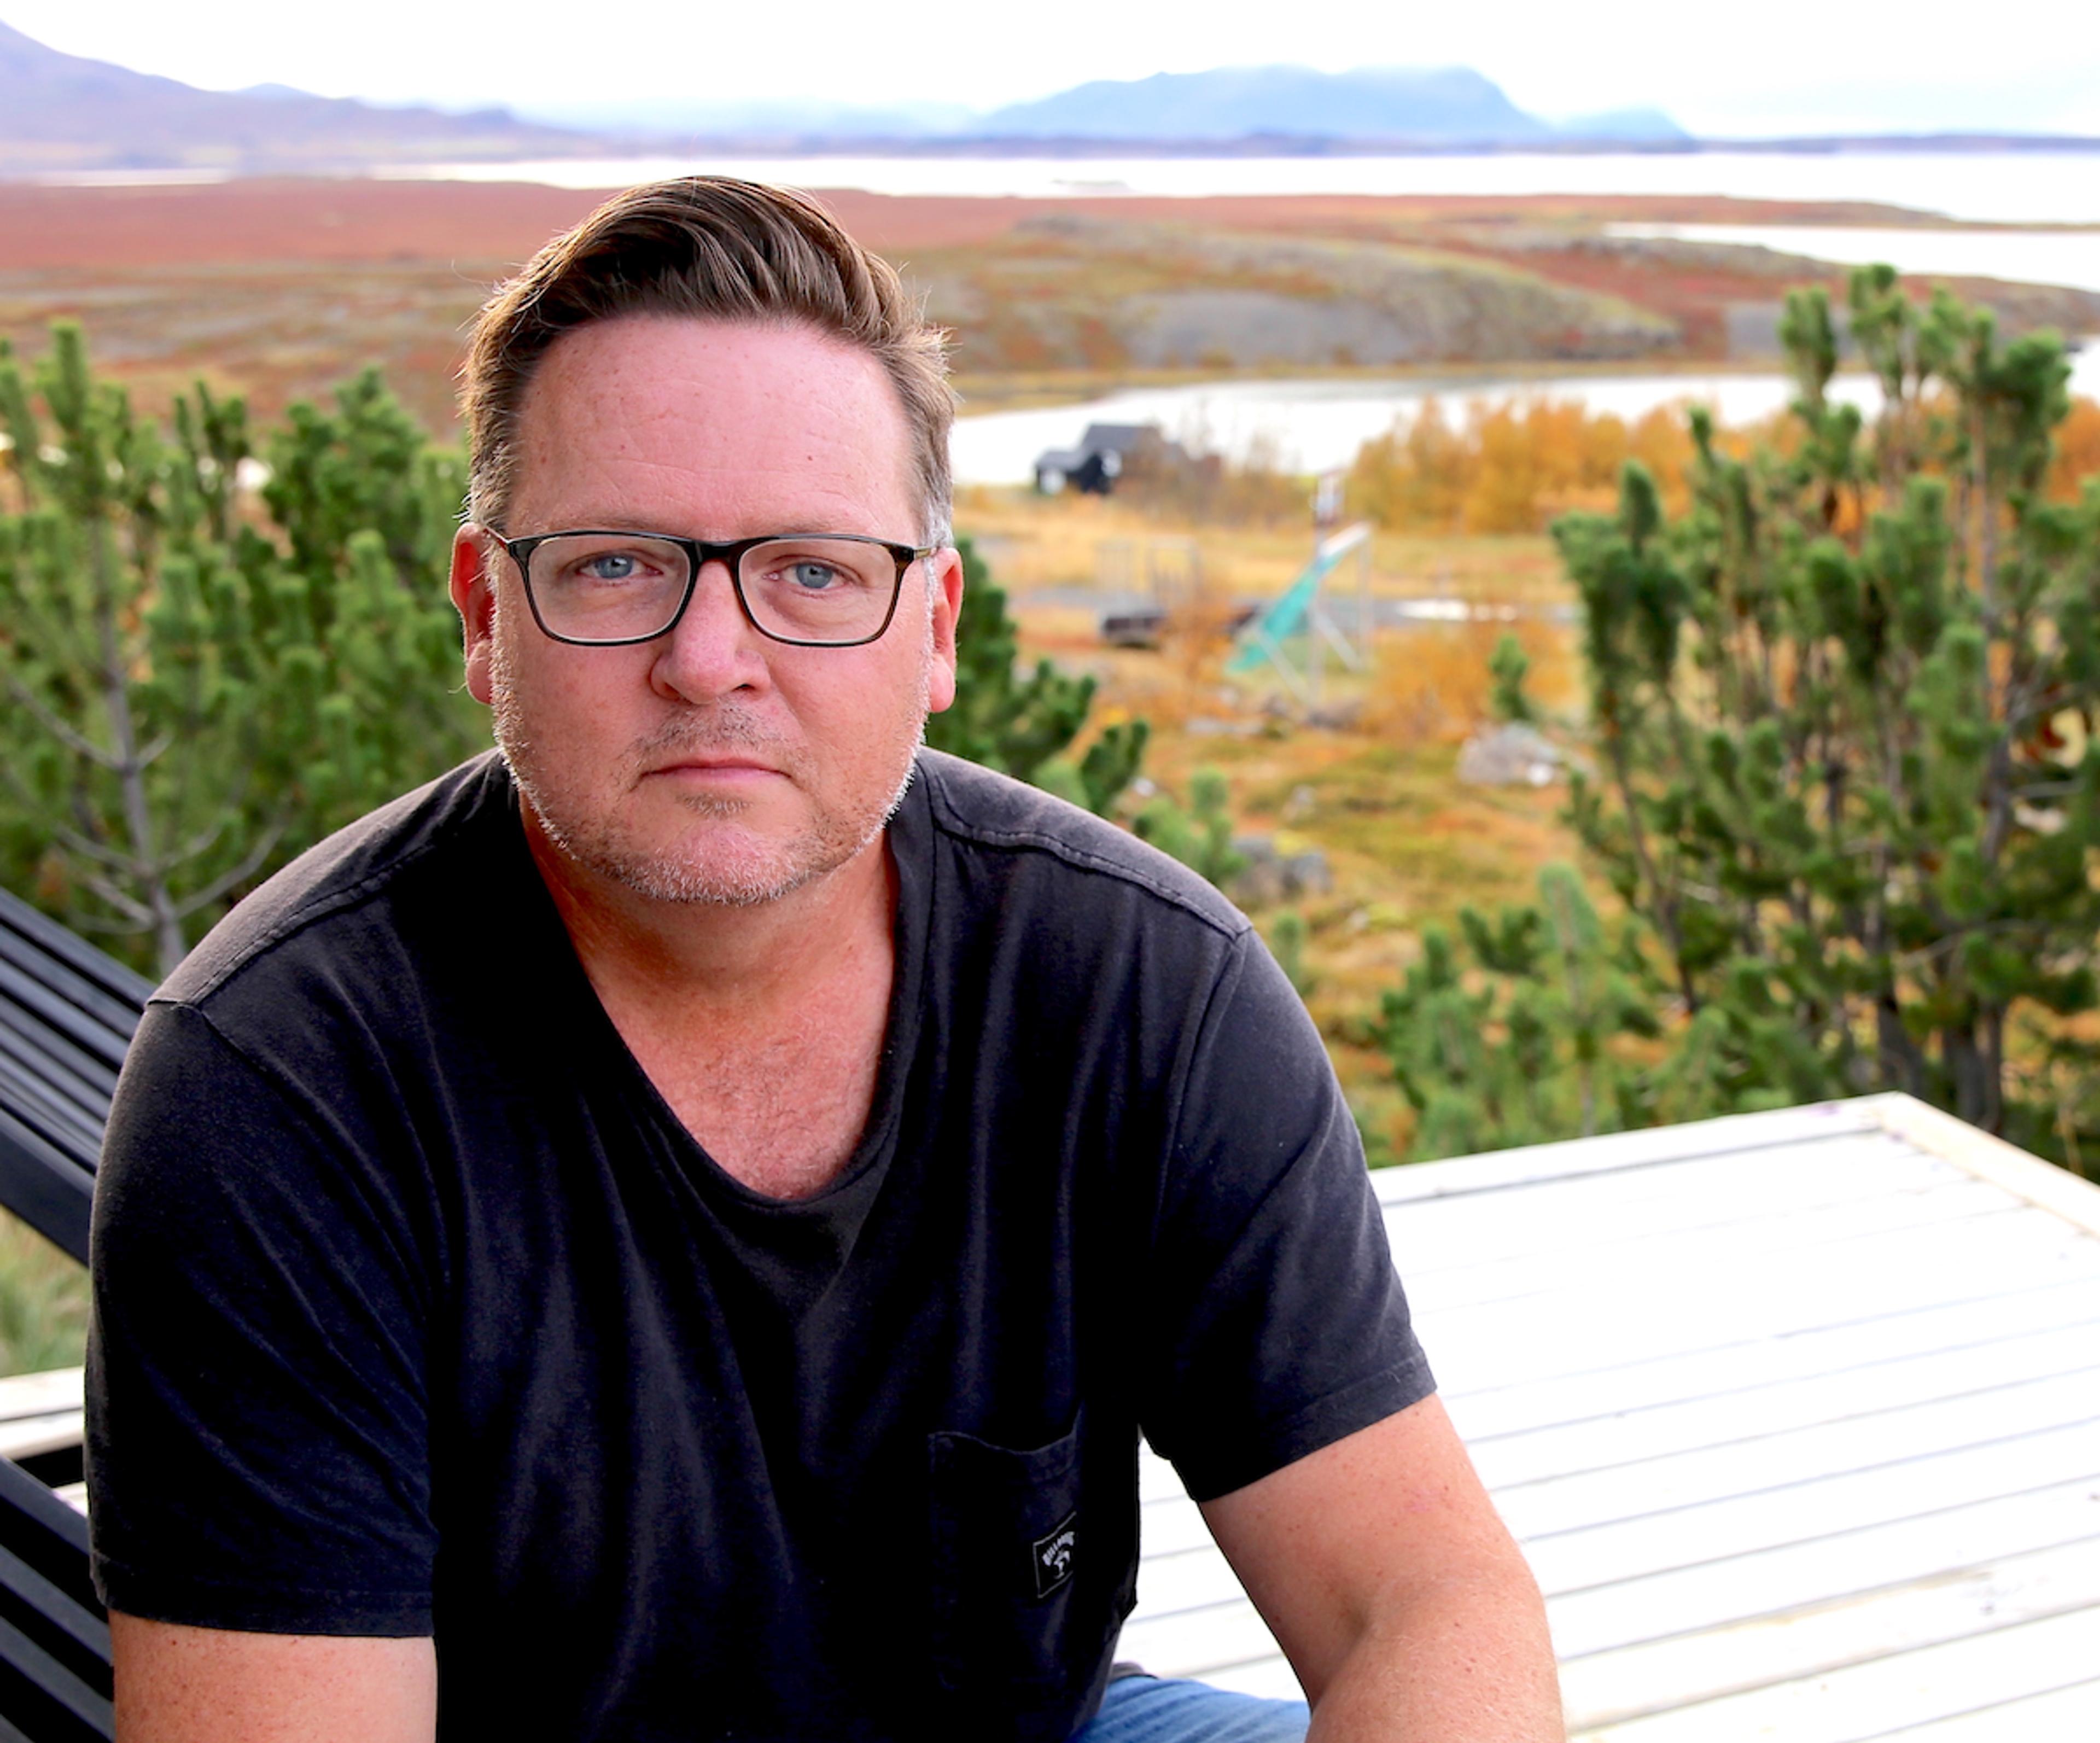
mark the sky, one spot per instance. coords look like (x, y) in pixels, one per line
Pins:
(1774, 66)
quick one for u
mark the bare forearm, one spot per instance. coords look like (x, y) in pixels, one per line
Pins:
(1404, 1605)
(178, 1685)
(1464, 1662)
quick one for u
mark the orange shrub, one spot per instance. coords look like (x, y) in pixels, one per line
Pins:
(2077, 451)
(1661, 441)
(1514, 466)
(1431, 681)
(1415, 476)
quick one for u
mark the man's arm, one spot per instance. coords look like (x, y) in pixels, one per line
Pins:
(1398, 1594)
(214, 1685)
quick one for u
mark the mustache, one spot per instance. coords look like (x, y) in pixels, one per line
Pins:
(724, 726)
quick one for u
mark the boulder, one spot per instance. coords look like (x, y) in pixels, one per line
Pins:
(1510, 755)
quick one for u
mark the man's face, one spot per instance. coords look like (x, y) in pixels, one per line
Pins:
(710, 764)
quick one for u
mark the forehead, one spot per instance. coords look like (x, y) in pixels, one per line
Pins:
(718, 429)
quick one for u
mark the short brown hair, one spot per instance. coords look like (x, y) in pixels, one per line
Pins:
(716, 248)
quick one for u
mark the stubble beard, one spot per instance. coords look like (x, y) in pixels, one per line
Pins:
(716, 866)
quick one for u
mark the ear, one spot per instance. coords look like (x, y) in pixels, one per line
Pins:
(474, 597)
(944, 575)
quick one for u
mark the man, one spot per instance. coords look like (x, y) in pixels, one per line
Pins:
(673, 1231)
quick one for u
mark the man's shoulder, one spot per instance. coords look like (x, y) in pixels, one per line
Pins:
(988, 814)
(334, 882)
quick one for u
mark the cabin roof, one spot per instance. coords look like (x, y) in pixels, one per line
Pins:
(1120, 437)
(1796, 1415)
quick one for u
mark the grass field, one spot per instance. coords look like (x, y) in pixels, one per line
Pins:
(43, 1302)
(1373, 786)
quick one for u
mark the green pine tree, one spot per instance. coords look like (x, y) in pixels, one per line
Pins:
(1844, 711)
(1509, 665)
(1017, 723)
(1522, 1036)
(1200, 836)
(190, 702)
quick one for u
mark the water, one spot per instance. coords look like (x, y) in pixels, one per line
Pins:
(1317, 425)
(1978, 186)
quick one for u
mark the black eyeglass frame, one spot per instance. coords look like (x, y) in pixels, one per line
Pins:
(699, 552)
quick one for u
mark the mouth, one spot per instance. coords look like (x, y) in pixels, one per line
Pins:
(728, 767)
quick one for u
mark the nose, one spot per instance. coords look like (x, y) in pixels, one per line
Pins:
(713, 650)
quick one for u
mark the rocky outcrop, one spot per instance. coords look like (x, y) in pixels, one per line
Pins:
(1075, 290)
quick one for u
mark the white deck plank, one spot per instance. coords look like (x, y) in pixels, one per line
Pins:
(45, 1394)
(1810, 1282)
(1656, 1675)
(1734, 1135)
(1882, 1696)
(1641, 1487)
(1195, 1643)
(2063, 1715)
(1797, 1415)
(1194, 1578)
(1794, 1576)
(1452, 1234)
(1526, 1405)
(1778, 1406)
(1271, 1678)
(2056, 1190)
(1627, 1549)
(1169, 1526)
(25, 1436)
(1622, 1320)
(1781, 1234)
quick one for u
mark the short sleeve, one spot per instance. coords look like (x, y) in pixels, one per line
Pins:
(258, 1452)
(1277, 1324)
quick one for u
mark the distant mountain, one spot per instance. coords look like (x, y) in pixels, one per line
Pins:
(1634, 127)
(759, 119)
(61, 112)
(1436, 105)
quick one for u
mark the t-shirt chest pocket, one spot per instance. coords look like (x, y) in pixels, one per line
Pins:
(1010, 1562)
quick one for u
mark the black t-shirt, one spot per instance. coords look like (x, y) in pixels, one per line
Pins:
(418, 1311)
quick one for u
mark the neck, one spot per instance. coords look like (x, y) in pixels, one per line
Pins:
(793, 994)
(687, 960)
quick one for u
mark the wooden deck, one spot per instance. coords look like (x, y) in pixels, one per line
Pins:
(1797, 1415)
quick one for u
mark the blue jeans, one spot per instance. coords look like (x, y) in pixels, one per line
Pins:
(1170, 1709)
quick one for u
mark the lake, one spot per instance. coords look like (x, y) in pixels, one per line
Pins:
(1316, 425)
(2018, 187)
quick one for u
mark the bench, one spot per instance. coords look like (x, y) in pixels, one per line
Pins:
(67, 1014)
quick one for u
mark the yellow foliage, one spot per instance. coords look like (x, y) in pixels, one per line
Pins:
(1416, 477)
(1513, 467)
(2077, 457)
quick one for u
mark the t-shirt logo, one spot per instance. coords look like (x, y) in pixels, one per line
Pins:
(1053, 1555)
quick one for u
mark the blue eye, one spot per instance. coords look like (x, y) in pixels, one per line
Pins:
(612, 565)
(815, 576)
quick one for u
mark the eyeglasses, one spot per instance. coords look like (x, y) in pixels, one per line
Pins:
(611, 589)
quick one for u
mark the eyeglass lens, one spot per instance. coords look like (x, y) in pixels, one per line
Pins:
(618, 587)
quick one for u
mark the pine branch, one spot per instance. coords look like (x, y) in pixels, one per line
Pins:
(76, 841)
(58, 729)
(235, 875)
(141, 915)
